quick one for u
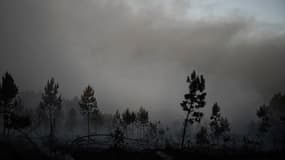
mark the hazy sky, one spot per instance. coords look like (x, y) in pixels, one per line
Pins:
(139, 52)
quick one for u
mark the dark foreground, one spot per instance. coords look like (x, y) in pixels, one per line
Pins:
(11, 150)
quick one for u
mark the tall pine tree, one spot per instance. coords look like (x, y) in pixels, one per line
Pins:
(8, 93)
(142, 118)
(88, 105)
(193, 101)
(219, 125)
(51, 103)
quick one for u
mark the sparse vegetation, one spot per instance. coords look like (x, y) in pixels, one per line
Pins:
(132, 131)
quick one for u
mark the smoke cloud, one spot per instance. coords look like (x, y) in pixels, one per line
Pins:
(139, 53)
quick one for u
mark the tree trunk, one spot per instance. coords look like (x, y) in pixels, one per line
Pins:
(4, 119)
(184, 130)
(88, 119)
(218, 140)
(53, 125)
(4, 123)
(8, 123)
(142, 131)
(8, 120)
(50, 124)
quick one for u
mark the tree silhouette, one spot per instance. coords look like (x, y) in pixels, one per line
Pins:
(128, 118)
(88, 105)
(118, 138)
(272, 118)
(277, 106)
(71, 120)
(155, 134)
(133, 117)
(193, 101)
(142, 118)
(202, 137)
(8, 93)
(96, 119)
(117, 120)
(263, 113)
(42, 118)
(51, 104)
(219, 125)
(20, 117)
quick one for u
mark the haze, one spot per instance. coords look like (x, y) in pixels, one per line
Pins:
(138, 53)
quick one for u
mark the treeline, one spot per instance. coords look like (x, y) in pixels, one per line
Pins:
(84, 122)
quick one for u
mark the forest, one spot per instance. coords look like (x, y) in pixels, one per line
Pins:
(48, 126)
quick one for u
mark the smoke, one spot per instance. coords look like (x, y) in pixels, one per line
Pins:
(139, 53)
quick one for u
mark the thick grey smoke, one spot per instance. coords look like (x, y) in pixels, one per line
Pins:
(139, 53)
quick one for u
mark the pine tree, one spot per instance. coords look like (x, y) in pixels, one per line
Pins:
(128, 118)
(117, 120)
(193, 101)
(133, 117)
(8, 93)
(202, 137)
(219, 125)
(263, 113)
(142, 118)
(118, 138)
(20, 117)
(51, 104)
(88, 105)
